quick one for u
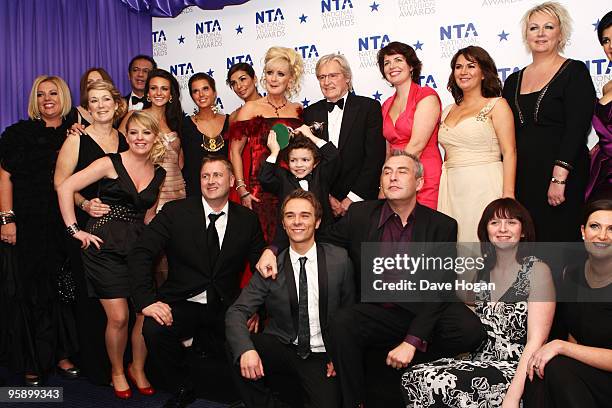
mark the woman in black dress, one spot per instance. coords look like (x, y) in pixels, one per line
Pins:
(79, 151)
(578, 372)
(129, 184)
(552, 101)
(40, 329)
(205, 132)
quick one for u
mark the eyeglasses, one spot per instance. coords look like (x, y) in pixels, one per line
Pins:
(331, 76)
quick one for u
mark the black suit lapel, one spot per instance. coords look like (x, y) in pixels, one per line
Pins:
(323, 285)
(421, 221)
(374, 233)
(290, 280)
(351, 110)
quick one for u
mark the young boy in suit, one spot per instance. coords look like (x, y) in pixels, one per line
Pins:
(312, 165)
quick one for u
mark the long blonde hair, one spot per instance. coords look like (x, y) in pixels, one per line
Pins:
(148, 121)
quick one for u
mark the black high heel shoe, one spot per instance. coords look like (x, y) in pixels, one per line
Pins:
(70, 373)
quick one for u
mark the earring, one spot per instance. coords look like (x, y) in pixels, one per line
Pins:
(583, 237)
(196, 110)
(215, 109)
(170, 100)
(148, 99)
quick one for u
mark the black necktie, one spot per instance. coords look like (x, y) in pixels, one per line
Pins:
(212, 238)
(339, 103)
(137, 100)
(303, 346)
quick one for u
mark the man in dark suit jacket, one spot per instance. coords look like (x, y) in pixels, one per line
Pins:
(314, 281)
(138, 71)
(435, 329)
(207, 241)
(354, 125)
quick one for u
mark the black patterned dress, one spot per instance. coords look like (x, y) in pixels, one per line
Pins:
(483, 377)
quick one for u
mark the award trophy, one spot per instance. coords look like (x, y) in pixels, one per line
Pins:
(284, 133)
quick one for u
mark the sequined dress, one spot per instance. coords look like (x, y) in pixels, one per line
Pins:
(106, 268)
(255, 151)
(173, 187)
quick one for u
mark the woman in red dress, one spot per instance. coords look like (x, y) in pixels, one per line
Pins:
(283, 69)
(411, 116)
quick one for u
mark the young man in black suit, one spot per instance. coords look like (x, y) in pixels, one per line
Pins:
(434, 329)
(314, 281)
(354, 125)
(138, 71)
(207, 240)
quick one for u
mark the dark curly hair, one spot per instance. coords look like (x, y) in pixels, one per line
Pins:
(491, 84)
(407, 52)
(174, 112)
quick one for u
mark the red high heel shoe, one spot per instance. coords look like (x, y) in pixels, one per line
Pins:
(144, 391)
(124, 394)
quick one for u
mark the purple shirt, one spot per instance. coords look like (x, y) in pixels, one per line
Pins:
(395, 231)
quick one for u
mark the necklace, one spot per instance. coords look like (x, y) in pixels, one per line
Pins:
(276, 108)
(210, 144)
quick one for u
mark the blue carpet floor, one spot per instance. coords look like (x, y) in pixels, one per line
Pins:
(80, 393)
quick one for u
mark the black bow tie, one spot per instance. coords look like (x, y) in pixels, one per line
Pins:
(136, 100)
(339, 103)
(307, 177)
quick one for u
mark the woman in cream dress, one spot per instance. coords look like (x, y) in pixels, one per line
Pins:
(475, 132)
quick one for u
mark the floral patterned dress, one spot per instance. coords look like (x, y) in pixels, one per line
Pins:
(483, 377)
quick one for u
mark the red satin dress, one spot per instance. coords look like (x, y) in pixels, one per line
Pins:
(399, 135)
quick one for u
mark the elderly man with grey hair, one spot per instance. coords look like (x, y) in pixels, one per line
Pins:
(354, 125)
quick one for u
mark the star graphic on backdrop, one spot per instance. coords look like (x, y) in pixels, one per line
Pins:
(210, 72)
(374, 6)
(596, 24)
(239, 29)
(418, 45)
(181, 40)
(303, 18)
(305, 102)
(377, 95)
(503, 36)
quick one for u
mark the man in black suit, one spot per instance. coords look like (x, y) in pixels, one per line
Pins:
(314, 281)
(207, 241)
(434, 329)
(354, 125)
(138, 71)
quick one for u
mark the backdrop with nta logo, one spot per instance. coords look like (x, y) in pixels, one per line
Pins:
(211, 41)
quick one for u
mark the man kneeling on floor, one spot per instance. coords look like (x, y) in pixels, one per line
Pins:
(314, 281)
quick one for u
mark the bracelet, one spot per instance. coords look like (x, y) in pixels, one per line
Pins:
(239, 180)
(7, 218)
(9, 212)
(72, 229)
(245, 195)
(563, 164)
(557, 181)
(240, 185)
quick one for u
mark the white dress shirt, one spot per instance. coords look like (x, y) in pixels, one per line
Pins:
(312, 276)
(137, 106)
(334, 124)
(221, 226)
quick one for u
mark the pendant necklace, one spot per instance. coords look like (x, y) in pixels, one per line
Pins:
(276, 108)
